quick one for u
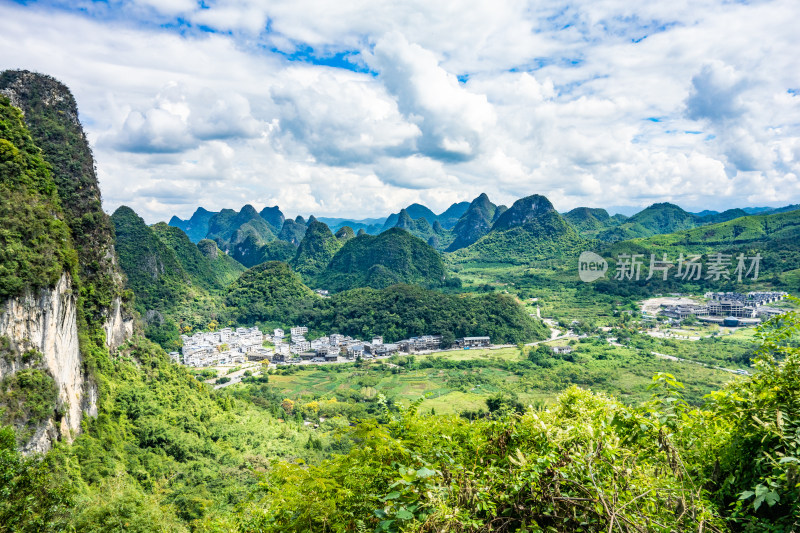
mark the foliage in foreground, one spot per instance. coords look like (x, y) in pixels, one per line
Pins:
(588, 463)
(168, 454)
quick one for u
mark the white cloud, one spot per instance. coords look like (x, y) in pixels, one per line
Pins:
(341, 118)
(716, 94)
(452, 119)
(586, 102)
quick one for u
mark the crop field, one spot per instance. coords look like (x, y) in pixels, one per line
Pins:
(454, 381)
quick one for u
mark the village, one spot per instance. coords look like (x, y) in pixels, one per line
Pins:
(236, 346)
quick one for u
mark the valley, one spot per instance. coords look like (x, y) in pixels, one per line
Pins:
(145, 383)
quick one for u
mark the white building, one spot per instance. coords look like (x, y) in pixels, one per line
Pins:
(298, 331)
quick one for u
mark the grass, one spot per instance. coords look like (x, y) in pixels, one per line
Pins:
(504, 354)
(451, 386)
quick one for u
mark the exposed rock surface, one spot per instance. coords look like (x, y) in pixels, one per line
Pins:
(47, 321)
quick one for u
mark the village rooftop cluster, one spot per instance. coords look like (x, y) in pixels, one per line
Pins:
(229, 346)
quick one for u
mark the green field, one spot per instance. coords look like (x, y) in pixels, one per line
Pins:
(455, 381)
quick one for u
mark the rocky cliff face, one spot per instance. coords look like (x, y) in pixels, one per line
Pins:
(118, 325)
(45, 388)
(474, 223)
(46, 321)
(51, 114)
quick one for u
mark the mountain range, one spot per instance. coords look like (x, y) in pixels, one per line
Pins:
(242, 234)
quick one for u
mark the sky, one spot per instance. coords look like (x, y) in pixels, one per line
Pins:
(357, 108)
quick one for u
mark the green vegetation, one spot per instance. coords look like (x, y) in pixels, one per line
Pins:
(345, 233)
(35, 243)
(27, 397)
(461, 381)
(316, 250)
(153, 270)
(169, 299)
(224, 268)
(292, 232)
(586, 463)
(166, 453)
(588, 221)
(272, 294)
(229, 228)
(360, 446)
(274, 217)
(51, 115)
(394, 256)
(528, 231)
(249, 254)
(656, 219)
(35, 495)
(435, 235)
(269, 292)
(196, 228)
(402, 311)
(474, 223)
(206, 266)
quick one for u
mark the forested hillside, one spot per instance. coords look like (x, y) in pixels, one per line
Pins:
(394, 256)
(36, 242)
(530, 229)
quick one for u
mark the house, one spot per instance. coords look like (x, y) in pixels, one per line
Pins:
(322, 341)
(260, 354)
(384, 350)
(298, 331)
(425, 342)
(355, 350)
(299, 347)
(561, 349)
(472, 342)
(322, 351)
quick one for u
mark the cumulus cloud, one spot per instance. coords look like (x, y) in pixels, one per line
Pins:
(716, 94)
(452, 119)
(590, 103)
(341, 118)
(180, 119)
(155, 130)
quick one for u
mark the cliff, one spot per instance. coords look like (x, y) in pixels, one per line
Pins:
(40, 329)
(50, 113)
(57, 244)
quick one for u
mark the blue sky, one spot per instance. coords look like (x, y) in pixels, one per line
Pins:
(357, 108)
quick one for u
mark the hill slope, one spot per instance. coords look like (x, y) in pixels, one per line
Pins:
(196, 228)
(229, 228)
(588, 221)
(268, 292)
(51, 114)
(201, 268)
(35, 244)
(154, 272)
(474, 223)
(394, 256)
(316, 249)
(402, 311)
(225, 268)
(531, 229)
